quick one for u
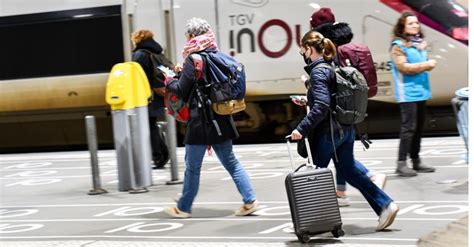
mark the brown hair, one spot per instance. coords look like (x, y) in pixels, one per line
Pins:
(399, 28)
(141, 35)
(322, 45)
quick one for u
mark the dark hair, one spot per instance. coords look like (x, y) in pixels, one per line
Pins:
(322, 45)
(399, 28)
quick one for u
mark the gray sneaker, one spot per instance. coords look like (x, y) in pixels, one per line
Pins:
(420, 167)
(403, 170)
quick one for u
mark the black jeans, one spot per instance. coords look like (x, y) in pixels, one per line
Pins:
(159, 150)
(413, 119)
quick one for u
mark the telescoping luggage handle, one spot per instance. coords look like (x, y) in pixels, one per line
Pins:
(309, 162)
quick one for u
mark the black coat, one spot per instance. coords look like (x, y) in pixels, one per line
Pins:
(142, 55)
(200, 129)
(320, 100)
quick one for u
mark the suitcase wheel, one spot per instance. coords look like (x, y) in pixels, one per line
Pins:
(303, 238)
(338, 232)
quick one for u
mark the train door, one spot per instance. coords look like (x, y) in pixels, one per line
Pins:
(376, 34)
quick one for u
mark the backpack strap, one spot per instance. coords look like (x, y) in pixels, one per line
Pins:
(198, 65)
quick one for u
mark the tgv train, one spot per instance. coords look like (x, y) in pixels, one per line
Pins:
(56, 55)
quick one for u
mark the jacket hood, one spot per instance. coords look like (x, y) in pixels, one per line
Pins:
(339, 32)
(151, 45)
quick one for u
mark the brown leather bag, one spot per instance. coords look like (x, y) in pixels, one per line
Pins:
(229, 107)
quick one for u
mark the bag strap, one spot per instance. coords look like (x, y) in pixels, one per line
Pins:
(198, 65)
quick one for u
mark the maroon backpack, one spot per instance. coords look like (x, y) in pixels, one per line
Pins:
(359, 57)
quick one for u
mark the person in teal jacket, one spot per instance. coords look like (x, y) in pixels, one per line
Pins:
(410, 67)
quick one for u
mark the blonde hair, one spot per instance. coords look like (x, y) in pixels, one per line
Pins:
(141, 35)
(322, 45)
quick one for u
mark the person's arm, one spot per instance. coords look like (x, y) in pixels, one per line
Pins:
(400, 60)
(184, 85)
(321, 101)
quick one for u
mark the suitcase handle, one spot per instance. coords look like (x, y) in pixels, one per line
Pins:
(309, 162)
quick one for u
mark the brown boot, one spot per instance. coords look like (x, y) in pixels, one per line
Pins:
(403, 170)
(420, 167)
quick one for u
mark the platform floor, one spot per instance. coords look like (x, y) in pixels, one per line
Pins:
(44, 201)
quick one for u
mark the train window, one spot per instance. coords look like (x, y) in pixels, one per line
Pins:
(81, 41)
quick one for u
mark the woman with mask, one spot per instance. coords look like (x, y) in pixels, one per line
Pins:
(319, 52)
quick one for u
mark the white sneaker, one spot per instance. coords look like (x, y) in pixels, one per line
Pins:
(387, 216)
(343, 201)
(380, 180)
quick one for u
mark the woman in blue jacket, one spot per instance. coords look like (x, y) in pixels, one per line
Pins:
(317, 50)
(410, 67)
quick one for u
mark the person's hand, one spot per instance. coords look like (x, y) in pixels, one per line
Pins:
(301, 100)
(304, 78)
(178, 68)
(296, 135)
(431, 63)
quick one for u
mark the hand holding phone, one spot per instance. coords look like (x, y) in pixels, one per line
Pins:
(168, 72)
(299, 99)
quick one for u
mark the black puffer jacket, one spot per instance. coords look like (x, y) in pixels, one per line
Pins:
(200, 129)
(141, 55)
(320, 100)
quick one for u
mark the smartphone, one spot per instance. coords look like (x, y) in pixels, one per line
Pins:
(167, 71)
(299, 98)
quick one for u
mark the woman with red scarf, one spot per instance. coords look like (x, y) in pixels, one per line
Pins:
(201, 132)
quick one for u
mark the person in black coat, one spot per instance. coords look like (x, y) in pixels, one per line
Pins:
(145, 48)
(330, 139)
(204, 127)
(324, 22)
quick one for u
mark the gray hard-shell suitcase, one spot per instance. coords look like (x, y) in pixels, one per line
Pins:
(312, 198)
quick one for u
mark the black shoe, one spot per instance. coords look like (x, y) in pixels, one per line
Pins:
(161, 162)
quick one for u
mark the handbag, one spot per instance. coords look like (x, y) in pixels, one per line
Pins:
(229, 107)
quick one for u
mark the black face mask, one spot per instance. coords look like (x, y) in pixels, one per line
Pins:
(306, 60)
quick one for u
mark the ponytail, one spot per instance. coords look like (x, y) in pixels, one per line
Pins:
(323, 46)
(329, 51)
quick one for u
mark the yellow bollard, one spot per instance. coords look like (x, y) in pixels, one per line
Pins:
(128, 93)
(127, 87)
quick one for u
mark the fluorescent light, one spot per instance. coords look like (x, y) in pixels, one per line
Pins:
(314, 5)
(82, 16)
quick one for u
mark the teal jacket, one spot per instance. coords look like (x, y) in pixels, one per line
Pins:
(413, 87)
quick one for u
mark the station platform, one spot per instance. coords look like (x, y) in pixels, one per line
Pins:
(44, 201)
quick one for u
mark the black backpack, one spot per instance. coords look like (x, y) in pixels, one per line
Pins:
(156, 61)
(351, 94)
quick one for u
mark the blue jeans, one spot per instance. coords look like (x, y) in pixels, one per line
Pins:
(341, 182)
(193, 157)
(322, 149)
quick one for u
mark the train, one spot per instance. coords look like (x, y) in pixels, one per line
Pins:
(56, 56)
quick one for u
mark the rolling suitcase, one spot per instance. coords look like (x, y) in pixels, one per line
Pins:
(312, 198)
